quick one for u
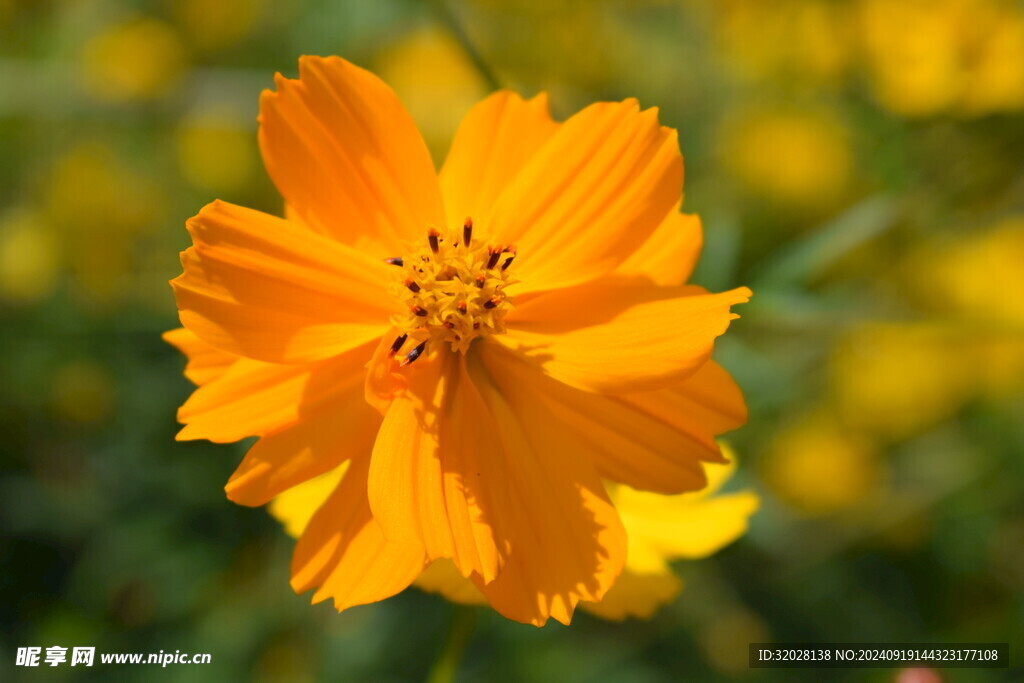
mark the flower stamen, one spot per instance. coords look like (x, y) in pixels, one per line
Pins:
(414, 354)
(453, 289)
(396, 346)
(495, 254)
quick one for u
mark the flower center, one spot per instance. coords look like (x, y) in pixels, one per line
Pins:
(453, 287)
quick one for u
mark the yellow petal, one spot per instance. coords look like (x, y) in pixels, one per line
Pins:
(610, 338)
(669, 255)
(687, 526)
(343, 552)
(566, 541)
(442, 576)
(590, 196)
(265, 288)
(431, 475)
(205, 363)
(347, 157)
(636, 595)
(295, 507)
(494, 141)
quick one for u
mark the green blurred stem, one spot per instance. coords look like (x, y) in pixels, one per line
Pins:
(459, 632)
(454, 26)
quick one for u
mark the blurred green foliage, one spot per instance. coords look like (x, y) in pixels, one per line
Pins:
(863, 176)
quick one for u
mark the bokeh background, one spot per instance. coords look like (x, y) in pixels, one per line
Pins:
(858, 163)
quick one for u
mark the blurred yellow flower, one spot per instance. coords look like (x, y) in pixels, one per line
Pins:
(797, 158)
(83, 391)
(791, 39)
(659, 529)
(136, 58)
(92, 191)
(215, 25)
(958, 278)
(720, 635)
(962, 56)
(435, 81)
(29, 263)
(895, 380)
(216, 152)
(818, 467)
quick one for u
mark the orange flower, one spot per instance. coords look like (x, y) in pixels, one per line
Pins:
(478, 391)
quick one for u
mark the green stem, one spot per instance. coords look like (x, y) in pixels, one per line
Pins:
(451, 22)
(459, 632)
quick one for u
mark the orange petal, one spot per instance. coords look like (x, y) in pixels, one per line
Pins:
(652, 441)
(494, 141)
(205, 363)
(590, 196)
(310, 418)
(669, 256)
(347, 157)
(430, 473)
(566, 541)
(343, 552)
(263, 287)
(612, 338)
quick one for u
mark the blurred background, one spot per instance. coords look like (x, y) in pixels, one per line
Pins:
(858, 163)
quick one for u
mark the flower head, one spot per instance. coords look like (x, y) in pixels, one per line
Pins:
(483, 347)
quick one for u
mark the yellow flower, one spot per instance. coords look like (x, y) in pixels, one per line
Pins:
(435, 80)
(958, 278)
(479, 391)
(660, 529)
(797, 158)
(29, 262)
(896, 380)
(963, 56)
(215, 152)
(92, 191)
(138, 58)
(215, 25)
(793, 39)
(818, 467)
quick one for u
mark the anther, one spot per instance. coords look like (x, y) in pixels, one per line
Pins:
(419, 310)
(480, 280)
(467, 231)
(414, 354)
(395, 261)
(495, 253)
(449, 324)
(492, 302)
(398, 344)
(508, 262)
(432, 236)
(412, 285)
(462, 307)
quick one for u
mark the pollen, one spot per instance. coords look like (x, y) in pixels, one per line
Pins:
(453, 287)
